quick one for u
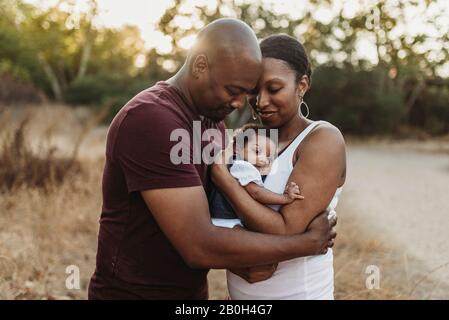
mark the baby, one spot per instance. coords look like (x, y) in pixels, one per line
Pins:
(254, 153)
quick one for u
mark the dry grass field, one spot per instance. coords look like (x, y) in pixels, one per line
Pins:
(51, 161)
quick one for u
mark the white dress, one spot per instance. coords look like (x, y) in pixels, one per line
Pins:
(301, 278)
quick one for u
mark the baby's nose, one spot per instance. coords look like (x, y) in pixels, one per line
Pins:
(264, 160)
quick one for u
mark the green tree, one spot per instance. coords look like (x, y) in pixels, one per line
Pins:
(392, 86)
(61, 50)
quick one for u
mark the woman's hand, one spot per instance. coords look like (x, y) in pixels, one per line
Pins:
(256, 274)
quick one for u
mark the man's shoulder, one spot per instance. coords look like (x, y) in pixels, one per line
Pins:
(152, 106)
(157, 99)
(150, 112)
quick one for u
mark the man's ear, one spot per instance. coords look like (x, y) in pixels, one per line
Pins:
(200, 65)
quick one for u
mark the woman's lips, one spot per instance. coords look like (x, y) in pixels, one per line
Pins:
(266, 114)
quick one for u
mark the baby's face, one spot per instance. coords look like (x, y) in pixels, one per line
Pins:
(259, 151)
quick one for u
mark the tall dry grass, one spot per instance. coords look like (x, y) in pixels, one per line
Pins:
(354, 251)
(21, 166)
(49, 201)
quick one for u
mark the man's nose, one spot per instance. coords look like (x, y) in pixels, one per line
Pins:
(239, 102)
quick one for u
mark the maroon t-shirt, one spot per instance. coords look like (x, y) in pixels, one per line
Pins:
(134, 258)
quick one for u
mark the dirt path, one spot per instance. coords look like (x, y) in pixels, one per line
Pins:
(401, 191)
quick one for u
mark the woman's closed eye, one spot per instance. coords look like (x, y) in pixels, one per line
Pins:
(273, 90)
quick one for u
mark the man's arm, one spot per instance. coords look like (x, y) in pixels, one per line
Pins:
(183, 216)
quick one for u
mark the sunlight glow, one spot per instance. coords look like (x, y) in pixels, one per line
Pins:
(145, 15)
(187, 42)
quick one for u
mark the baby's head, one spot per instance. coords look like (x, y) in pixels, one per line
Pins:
(253, 144)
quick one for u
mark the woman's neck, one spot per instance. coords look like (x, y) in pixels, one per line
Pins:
(292, 128)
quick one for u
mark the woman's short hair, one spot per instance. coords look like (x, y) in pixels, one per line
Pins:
(288, 49)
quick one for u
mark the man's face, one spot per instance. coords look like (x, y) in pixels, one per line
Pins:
(223, 86)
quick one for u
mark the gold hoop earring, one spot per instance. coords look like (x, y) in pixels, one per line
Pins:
(300, 108)
(254, 115)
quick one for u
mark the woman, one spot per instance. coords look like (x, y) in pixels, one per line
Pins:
(311, 154)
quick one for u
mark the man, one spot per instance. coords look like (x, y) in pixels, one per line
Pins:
(156, 239)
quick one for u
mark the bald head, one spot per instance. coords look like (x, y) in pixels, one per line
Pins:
(226, 39)
(221, 68)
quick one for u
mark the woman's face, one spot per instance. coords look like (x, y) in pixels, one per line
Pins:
(276, 96)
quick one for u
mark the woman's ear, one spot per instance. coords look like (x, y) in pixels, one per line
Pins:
(303, 85)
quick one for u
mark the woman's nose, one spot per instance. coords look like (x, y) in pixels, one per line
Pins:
(261, 100)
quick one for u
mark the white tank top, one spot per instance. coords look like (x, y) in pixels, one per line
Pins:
(301, 278)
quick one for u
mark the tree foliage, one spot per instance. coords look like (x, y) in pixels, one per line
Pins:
(64, 53)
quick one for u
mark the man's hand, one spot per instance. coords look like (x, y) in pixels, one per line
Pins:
(256, 274)
(322, 229)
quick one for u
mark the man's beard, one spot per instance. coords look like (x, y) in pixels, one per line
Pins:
(218, 119)
(217, 116)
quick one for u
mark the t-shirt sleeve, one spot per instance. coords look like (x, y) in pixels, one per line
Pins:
(245, 173)
(143, 150)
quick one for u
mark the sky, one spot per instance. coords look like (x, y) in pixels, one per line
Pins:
(145, 14)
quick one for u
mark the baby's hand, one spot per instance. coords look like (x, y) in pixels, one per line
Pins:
(292, 192)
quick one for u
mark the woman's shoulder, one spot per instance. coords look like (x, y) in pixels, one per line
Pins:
(325, 137)
(326, 126)
(325, 131)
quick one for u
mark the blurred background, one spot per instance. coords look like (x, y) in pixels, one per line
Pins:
(380, 74)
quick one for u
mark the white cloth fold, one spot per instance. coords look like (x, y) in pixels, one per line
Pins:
(245, 173)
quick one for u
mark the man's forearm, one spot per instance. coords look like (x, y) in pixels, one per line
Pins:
(255, 216)
(234, 248)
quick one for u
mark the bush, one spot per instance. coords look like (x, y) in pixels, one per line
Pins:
(89, 90)
(431, 111)
(98, 90)
(21, 166)
(353, 101)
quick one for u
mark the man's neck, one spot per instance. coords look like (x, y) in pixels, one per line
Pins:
(179, 80)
